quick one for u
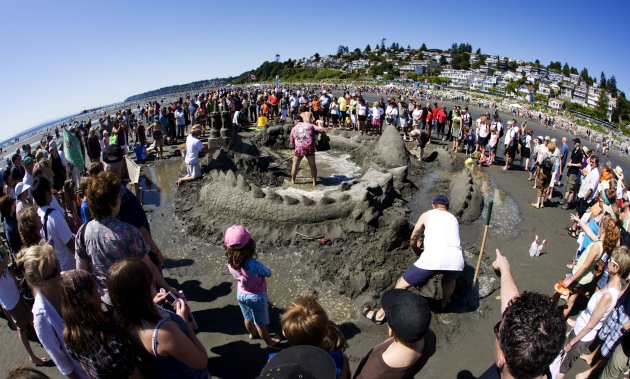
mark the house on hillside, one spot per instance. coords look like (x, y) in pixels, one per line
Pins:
(359, 63)
(458, 78)
(408, 68)
(555, 103)
(579, 95)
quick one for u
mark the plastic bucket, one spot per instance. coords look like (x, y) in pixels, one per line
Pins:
(141, 152)
(262, 121)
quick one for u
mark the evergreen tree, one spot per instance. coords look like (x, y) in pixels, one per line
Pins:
(573, 70)
(611, 85)
(478, 51)
(367, 49)
(602, 106)
(602, 81)
(423, 48)
(584, 74)
(565, 70)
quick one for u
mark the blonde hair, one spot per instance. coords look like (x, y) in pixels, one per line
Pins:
(34, 260)
(305, 322)
(29, 226)
(621, 256)
(552, 146)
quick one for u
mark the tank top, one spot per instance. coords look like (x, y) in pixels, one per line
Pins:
(586, 314)
(442, 250)
(169, 367)
(588, 275)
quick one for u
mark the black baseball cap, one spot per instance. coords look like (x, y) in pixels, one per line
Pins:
(576, 140)
(112, 154)
(303, 361)
(408, 314)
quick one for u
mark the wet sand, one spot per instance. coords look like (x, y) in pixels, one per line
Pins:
(199, 269)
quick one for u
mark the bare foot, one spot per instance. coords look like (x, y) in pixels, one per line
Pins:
(273, 342)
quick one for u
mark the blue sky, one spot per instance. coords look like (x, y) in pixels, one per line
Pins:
(60, 57)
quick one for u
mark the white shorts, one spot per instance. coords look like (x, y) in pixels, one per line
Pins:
(194, 169)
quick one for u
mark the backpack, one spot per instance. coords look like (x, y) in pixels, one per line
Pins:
(523, 140)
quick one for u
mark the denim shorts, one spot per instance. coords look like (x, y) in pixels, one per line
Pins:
(254, 307)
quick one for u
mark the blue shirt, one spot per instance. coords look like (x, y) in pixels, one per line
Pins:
(564, 149)
(85, 212)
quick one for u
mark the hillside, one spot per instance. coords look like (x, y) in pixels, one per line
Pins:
(194, 86)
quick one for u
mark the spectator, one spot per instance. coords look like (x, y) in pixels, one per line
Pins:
(29, 226)
(410, 344)
(55, 229)
(131, 210)
(91, 336)
(303, 138)
(166, 339)
(305, 322)
(9, 223)
(299, 362)
(106, 240)
(530, 334)
(42, 272)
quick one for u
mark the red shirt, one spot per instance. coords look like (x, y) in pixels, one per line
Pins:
(273, 100)
(441, 116)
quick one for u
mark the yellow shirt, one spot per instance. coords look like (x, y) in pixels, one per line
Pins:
(342, 104)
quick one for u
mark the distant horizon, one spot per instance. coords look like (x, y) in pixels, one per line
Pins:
(66, 71)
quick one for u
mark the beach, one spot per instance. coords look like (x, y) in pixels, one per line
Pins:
(465, 341)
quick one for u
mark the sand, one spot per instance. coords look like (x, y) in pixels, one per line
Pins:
(465, 340)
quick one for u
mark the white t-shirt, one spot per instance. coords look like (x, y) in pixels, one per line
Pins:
(590, 182)
(193, 147)
(484, 130)
(442, 250)
(59, 235)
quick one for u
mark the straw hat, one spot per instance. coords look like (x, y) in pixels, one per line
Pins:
(585, 149)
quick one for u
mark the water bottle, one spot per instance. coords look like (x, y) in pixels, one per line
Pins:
(533, 249)
(540, 247)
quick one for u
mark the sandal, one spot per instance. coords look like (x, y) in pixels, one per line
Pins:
(370, 314)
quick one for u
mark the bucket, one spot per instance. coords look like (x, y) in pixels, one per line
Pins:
(141, 152)
(262, 121)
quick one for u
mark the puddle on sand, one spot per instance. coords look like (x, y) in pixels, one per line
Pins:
(505, 216)
(333, 169)
(291, 277)
(159, 180)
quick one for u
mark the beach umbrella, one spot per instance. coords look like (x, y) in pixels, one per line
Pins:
(72, 150)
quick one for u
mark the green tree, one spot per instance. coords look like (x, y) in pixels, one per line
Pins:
(423, 48)
(602, 105)
(478, 51)
(367, 49)
(537, 63)
(573, 70)
(584, 74)
(512, 65)
(316, 57)
(511, 88)
(602, 80)
(611, 86)
(408, 47)
(443, 60)
(565, 70)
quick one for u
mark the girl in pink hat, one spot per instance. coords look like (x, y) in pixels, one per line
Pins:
(240, 250)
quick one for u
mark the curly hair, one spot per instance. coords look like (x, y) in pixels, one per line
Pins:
(237, 259)
(305, 322)
(612, 235)
(103, 193)
(334, 340)
(531, 334)
(29, 226)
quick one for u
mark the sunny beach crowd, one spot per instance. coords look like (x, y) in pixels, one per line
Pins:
(82, 274)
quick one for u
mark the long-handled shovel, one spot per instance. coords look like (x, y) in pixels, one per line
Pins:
(483, 242)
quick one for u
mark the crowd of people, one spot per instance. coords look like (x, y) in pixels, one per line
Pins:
(82, 273)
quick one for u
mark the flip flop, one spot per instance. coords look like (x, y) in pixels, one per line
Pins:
(370, 314)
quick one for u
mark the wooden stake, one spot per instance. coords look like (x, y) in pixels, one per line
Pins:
(483, 242)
